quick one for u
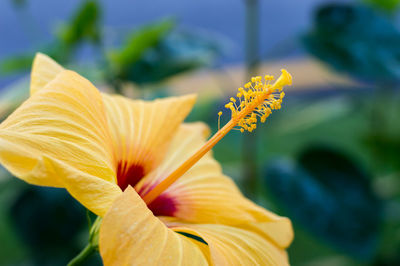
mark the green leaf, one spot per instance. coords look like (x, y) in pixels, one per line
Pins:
(356, 40)
(16, 63)
(140, 41)
(329, 195)
(176, 53)
(84, 25)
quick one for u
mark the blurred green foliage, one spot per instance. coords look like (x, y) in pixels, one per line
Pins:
(150, 54)
(329, 194)
(364, 43)
(15, 63)
(356, 40)
(385, 149)
(158, 51)
(49, 222)
(83, 25)
(386, 5)
(138, 43)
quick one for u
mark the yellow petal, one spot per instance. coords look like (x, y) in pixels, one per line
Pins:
(64, 122)
(44, 70)
(205, 195)
(95, 193)
(234, 246)
(142, 131)
(131, 235)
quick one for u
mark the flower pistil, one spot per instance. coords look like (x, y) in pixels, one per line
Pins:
(257, 101)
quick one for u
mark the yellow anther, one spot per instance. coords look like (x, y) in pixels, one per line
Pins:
(258, 100)
(284, 80)
(219, 113)
(269, 77)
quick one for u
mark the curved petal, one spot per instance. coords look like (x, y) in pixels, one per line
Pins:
(44, 70)
(228, 245)
(131, 235)
(142, 131)
(95, 193)
(205, 195)
(64, 122)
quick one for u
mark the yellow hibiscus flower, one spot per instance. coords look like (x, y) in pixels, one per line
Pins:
(163, 198)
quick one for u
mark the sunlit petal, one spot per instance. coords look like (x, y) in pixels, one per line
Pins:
(44, 70)
(131, 235)
(93, 192)
(66, 122)
(235, 246)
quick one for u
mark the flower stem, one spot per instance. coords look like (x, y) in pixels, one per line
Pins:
(82, 256)
(249, 143)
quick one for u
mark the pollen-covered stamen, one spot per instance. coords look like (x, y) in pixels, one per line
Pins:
(255, 102)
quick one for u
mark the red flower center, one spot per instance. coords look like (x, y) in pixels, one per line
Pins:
(127, 175)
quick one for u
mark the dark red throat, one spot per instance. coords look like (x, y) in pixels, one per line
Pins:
(129, 174)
